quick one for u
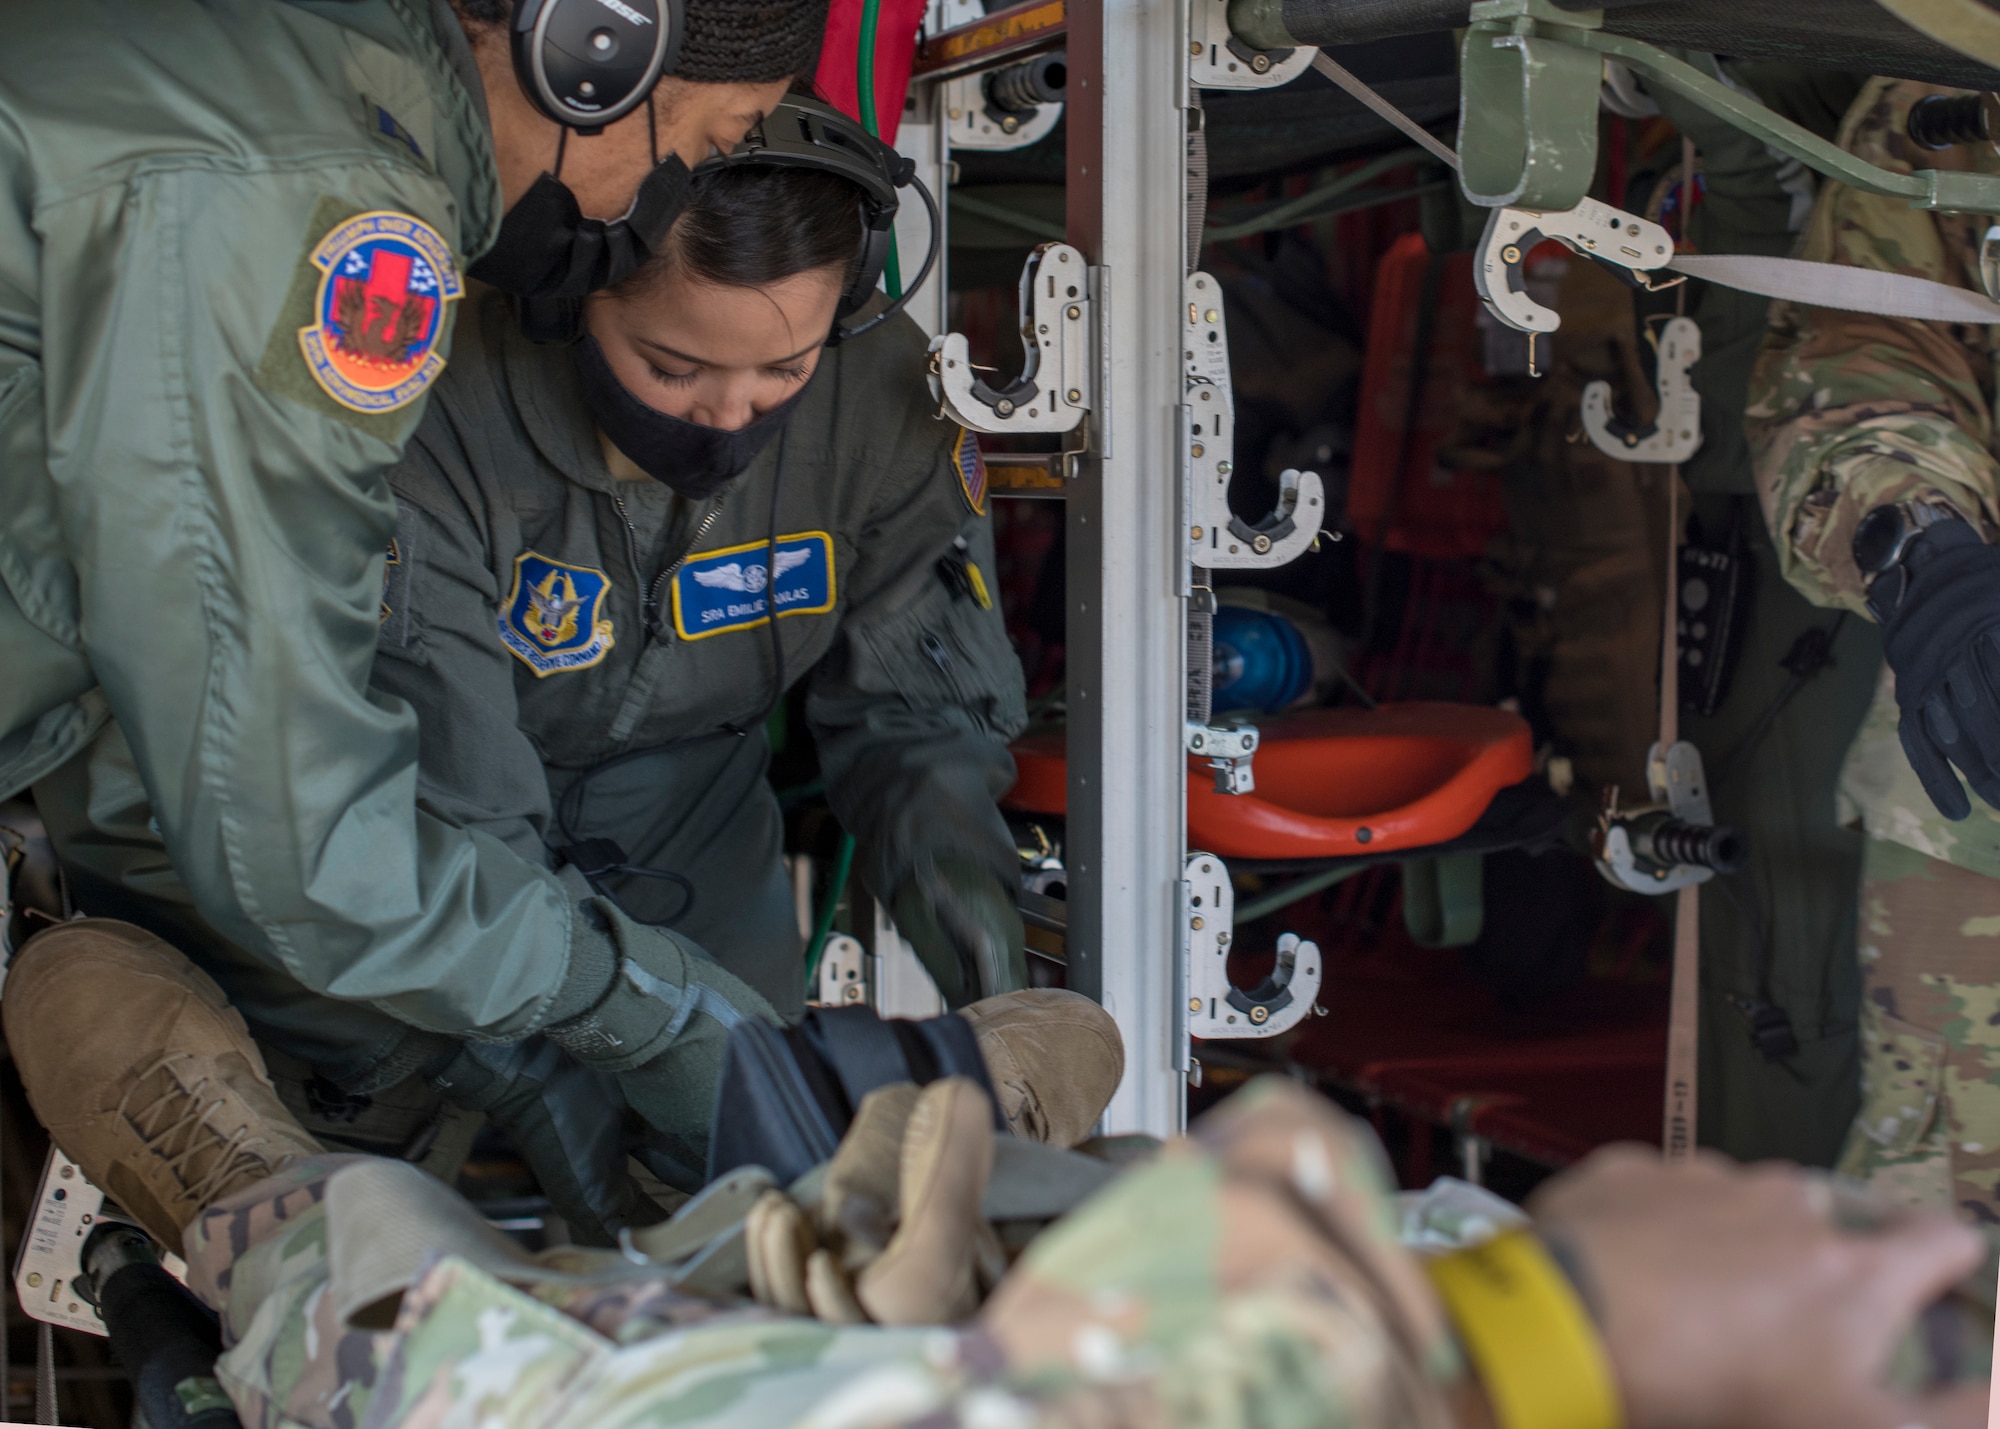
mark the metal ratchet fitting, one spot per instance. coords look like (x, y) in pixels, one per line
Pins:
(1673, 841)
(1634, 248)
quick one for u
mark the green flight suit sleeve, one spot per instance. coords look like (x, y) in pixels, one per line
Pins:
(228, 523)
(913, 707)
(441, 654)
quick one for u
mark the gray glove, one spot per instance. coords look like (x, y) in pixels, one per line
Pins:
(660, 1025)
(965, 928)
(568, 1122)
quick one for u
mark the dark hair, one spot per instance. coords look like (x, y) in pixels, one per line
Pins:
(753, 225)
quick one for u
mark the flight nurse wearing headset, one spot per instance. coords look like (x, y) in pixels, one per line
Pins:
(234, 245)
(594, 540)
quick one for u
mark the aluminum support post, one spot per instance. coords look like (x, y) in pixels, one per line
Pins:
(1127, 693)
(921, 138)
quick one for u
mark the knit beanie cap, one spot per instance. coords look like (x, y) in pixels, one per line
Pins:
(750, 41)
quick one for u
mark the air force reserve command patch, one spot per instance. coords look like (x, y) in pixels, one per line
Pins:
(554, 618)
(735, 588)
(379, 316)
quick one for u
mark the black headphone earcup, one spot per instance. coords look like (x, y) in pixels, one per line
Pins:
(874, 258)
(586, 63)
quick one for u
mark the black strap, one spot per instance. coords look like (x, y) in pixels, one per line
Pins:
(859, 1049)
(784, 1099)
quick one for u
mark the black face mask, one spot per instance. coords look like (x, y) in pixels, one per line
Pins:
(694, 460)
(549, 256)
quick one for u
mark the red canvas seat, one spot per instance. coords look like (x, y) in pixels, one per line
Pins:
(1332, 783)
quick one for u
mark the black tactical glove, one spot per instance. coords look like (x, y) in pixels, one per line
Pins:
(1940, 613)
(965, 928)
(659, 1023)
(568, 1121)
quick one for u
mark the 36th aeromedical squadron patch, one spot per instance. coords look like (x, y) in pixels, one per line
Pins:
(553, 620)
(379, 316)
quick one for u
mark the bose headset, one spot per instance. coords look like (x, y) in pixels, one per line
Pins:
(585, 63)
(803, 132)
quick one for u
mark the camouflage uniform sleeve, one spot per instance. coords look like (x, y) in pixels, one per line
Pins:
(1249, 1275)
(1850, 411)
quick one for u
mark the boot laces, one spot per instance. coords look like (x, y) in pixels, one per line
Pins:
(230, 1156)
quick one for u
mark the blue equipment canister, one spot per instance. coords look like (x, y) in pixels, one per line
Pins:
(1262, 662)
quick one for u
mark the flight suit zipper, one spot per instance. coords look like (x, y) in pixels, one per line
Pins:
(649, 594)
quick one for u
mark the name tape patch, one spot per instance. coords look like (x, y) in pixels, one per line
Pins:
(554, 617)
(731, 589)
(378, 319)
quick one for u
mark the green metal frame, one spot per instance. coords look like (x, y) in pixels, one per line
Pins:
(1530, 73)
(1443, 902)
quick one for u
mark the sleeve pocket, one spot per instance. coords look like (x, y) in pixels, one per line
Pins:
(1902, 1071)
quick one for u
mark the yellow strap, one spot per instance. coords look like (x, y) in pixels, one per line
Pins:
(979, 591)
(1537, 1354)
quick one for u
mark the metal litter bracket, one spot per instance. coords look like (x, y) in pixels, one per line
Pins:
(843, 973)
(1228, 748)
(1675, 434)
(1217, 59)
(1058, 384)
(1630, 246)
(1218, 539)
(67, 1209)
(1215, 1008)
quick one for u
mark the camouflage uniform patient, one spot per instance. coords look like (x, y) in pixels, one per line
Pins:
(1247, 1275)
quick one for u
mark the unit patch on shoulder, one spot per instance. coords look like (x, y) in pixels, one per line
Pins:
(730, 589)
(554, 617)
(971, 469)
(379, 315)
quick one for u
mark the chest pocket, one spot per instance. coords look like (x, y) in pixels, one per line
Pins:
(736, 588)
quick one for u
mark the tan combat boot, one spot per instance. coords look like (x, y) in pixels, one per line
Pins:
(1055, 1058)
(929, 1272)
(143, 1073)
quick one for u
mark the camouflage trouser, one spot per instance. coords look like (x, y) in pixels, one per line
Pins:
(1928, 1132)
(1249, 1275)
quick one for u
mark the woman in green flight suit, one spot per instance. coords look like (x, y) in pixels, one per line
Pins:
(592, 538)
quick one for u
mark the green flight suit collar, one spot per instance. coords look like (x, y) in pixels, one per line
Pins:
(543, 385)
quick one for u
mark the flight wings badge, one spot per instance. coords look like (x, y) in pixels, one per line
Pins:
(733, 589)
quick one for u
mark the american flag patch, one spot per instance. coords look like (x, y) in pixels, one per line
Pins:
(971, 469)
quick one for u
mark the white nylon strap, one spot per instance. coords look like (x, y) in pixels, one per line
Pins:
(1836, 285)
(1355, 85)
(1684, 998)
